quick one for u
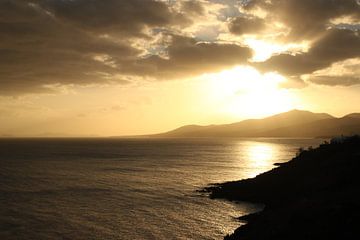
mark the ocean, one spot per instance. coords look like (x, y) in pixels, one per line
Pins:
(105, 188)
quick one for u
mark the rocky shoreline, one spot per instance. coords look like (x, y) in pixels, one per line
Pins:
(313, 196)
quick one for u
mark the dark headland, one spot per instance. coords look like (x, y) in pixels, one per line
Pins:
(316, 195)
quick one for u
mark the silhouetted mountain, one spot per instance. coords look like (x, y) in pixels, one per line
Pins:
(295, 123)
(310, 197)
(353, 115)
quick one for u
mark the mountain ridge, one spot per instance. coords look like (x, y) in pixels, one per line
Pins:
(294, 123)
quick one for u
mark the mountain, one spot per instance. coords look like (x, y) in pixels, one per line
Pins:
(353, 115)
(295, 123)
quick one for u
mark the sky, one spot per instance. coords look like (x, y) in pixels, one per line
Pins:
(111, 68)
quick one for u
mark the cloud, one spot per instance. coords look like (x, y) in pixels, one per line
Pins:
(126, 17)
(331, 28)
(305, 19)
(246, 24)
(186, 57)
(343, 73)
(193, 7)
(335, 80)
(39, 50)
(336, 45)
(49, 43)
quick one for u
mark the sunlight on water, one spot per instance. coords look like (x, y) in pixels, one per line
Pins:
(128, 189)
(260, 154)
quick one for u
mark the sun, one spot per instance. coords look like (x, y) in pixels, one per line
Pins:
(263, 50)
(245, 92)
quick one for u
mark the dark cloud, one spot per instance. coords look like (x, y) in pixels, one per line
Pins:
(306, 18)
(336, 45)
(186, 56)
(344, 73)
(53, 43)
(246, 24)
(335, 80)
(193, 7)
(47, 43)
(312, 20)
(128, 17)
(38, 50)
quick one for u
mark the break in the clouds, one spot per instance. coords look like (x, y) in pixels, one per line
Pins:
(330, 26)
(305, 19)
(50, 43)
(344, 73)
(335, 45)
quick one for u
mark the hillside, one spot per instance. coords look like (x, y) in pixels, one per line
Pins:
(310, 197)
(295, 123)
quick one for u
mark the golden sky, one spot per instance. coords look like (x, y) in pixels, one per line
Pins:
(106, 68)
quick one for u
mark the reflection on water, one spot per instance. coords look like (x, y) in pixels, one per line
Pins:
(260, 153)
(127, 189)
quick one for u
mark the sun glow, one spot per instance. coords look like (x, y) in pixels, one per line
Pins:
(264, 50)
(259, 154)
(245, 92)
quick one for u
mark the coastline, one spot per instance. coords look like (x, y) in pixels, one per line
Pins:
(313, 196)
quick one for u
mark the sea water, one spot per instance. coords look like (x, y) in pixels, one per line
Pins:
(128, 188)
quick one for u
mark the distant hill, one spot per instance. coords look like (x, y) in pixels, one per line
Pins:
(294, 123)
(353, 115)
